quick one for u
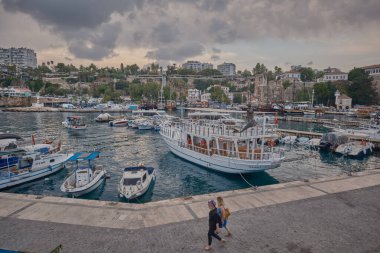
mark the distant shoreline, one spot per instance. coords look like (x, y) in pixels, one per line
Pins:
(52, 109)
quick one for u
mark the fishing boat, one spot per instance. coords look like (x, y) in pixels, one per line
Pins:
(355, 149)
(20, 166)
(74, 123)
(86, 178)
(220, 147)
(119, 123)
(136, 181)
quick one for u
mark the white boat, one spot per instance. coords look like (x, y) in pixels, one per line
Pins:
(290, 140)
(145, 125)
(18, 167)
(104, 117)
(119, 123)
(83, 179)
(355, 149)
(220, 147)
(136, 181)
(74, 123)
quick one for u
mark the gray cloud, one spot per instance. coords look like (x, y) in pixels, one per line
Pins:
(167, 26)
(215, 57)
(216, 50)
(68, 59)
(309, 63)
(182, 52)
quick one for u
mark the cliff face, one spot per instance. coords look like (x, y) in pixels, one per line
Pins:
(15, 101)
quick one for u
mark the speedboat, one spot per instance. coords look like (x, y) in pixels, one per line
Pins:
(84, 179)
(74, 123)
(119, 123)
(355, 149)
(136, 181)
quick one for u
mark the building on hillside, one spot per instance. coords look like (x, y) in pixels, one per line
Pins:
(373, 70)
(20, 57)
(15, 92)
(296, 67)
(227, 69)
(290, 75)
(342, 101)
(334, 74)
(197, 66)
(205, 97)
(193, 95)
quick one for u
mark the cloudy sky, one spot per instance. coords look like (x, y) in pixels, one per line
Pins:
(316, 33)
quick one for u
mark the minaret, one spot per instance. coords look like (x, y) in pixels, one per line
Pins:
(337, 94)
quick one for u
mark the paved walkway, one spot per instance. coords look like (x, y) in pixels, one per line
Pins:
(340, 214)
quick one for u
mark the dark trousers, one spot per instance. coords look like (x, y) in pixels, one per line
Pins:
(210, 234)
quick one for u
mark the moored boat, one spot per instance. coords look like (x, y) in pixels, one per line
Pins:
(119, 123)
(74, 123)
(84, 179)
(355, 149)
(135, 181)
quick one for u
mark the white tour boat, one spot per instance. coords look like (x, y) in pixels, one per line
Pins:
(74, 123)
(135, 181)
(220, 147)
(119, 123)
(84, 179)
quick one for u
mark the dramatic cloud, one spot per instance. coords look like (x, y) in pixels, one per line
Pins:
(215, 57)
(309, 63)
(182, 29)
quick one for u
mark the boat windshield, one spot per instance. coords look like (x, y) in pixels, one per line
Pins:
(130, 181)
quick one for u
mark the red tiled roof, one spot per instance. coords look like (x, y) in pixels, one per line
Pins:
(375, 66)
(343, 97)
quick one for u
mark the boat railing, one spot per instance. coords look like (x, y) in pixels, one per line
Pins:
(254, 154)
(226, 130)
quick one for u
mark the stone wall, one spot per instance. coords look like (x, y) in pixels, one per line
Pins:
(15, 101)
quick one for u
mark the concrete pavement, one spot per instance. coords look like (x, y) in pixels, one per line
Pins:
(340, 214)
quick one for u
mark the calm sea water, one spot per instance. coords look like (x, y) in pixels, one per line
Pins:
(122, 147)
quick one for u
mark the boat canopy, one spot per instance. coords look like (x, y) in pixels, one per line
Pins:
(10, 136)
(83, 156)
(74, 117)
(138, 168)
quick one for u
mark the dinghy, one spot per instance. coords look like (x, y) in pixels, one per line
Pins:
(136, 181)
(84, 179)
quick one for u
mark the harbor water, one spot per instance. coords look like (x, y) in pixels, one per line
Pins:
(122, 147)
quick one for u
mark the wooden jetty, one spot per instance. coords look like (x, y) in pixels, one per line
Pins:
(350, 123)
(285, 132)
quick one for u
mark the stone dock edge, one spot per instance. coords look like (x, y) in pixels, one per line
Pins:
(130, 216)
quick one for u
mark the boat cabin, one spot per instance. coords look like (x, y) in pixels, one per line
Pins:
(135, 177)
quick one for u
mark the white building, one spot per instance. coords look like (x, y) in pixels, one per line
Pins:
(334, 74)
(292, 74)
(197, 66)
(227, 69)
(21, 57)
(342, 102)
(373, 70)
(193, 95)
(205, 97)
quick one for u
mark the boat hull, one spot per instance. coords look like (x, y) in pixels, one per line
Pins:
(87, 188)
(27, 177)
(220, 163)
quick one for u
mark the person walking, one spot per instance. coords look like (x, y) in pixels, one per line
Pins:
(213, 225)
(224, 213)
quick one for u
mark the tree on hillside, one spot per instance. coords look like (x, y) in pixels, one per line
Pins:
(324, 93)
(210, 72)
(246, 73)
(259, 69)
(307, 74)
(218, 95)
(277, 71)
(361, 90)
(186, 72)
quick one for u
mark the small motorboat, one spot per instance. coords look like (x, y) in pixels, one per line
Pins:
(74, 123)
(83, 179)
(136, 181)
(355, 149)
(288, 140)
(330, 141)
(119, 123)
(302, 141)
(145, 125)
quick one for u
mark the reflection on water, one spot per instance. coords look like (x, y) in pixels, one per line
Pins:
(122, 147)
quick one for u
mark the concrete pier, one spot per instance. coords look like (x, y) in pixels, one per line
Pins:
(339, 214)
